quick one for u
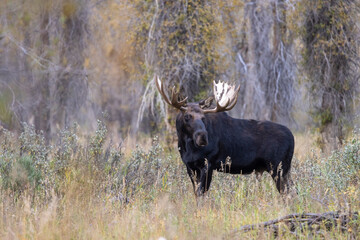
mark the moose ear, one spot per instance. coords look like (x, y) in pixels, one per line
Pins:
(206, 103)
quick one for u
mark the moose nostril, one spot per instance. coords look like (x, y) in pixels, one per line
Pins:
(200, 134)
(200, 138)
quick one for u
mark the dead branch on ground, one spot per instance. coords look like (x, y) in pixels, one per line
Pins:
(313, 222)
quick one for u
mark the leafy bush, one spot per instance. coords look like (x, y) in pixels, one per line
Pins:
(23, 175)
(342, 168)
(29, 165)
(330, 176)
(36, 167)
(97, 183)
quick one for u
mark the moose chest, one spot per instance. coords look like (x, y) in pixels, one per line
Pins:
(193, 154)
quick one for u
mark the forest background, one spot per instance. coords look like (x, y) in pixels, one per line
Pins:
(78, 61)
(72, 68)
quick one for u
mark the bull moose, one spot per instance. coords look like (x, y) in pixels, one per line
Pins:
(209, 139)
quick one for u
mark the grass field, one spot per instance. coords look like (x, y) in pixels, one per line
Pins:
(93, 188)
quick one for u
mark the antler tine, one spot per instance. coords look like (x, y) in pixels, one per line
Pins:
(175, 99)
(174, 96)
(223, 94)
(160, 87)
(234, 99)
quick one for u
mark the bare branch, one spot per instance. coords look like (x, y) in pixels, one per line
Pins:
(300, 220)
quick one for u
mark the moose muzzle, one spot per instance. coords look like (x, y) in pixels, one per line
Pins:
(201, 138)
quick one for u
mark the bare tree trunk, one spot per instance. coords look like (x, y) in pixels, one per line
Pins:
(270, 84)
(42, 105)
(237, 60)
(260, 54)
(279, 31)
(280, 92)
(71, 87)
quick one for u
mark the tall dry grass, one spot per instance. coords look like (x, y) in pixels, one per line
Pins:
(88, 187)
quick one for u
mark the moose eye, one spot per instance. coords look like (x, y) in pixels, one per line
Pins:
(187, 117)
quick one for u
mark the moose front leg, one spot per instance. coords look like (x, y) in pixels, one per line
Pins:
(200, 178)
(193, 177)
(204, 181)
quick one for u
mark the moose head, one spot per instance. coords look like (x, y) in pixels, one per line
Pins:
(193, 115)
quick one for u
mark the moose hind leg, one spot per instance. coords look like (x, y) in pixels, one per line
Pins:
(282, 181)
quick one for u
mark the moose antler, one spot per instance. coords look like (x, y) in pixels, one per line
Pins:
(225, 97)
(174, 101)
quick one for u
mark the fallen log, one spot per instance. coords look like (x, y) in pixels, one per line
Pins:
(313, 222)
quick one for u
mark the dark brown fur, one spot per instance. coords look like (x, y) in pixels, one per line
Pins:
(205, 141)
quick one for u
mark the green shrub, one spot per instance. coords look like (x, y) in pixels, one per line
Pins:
(24, 175)
(329, 176)
(28, 164)
(342, 168)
